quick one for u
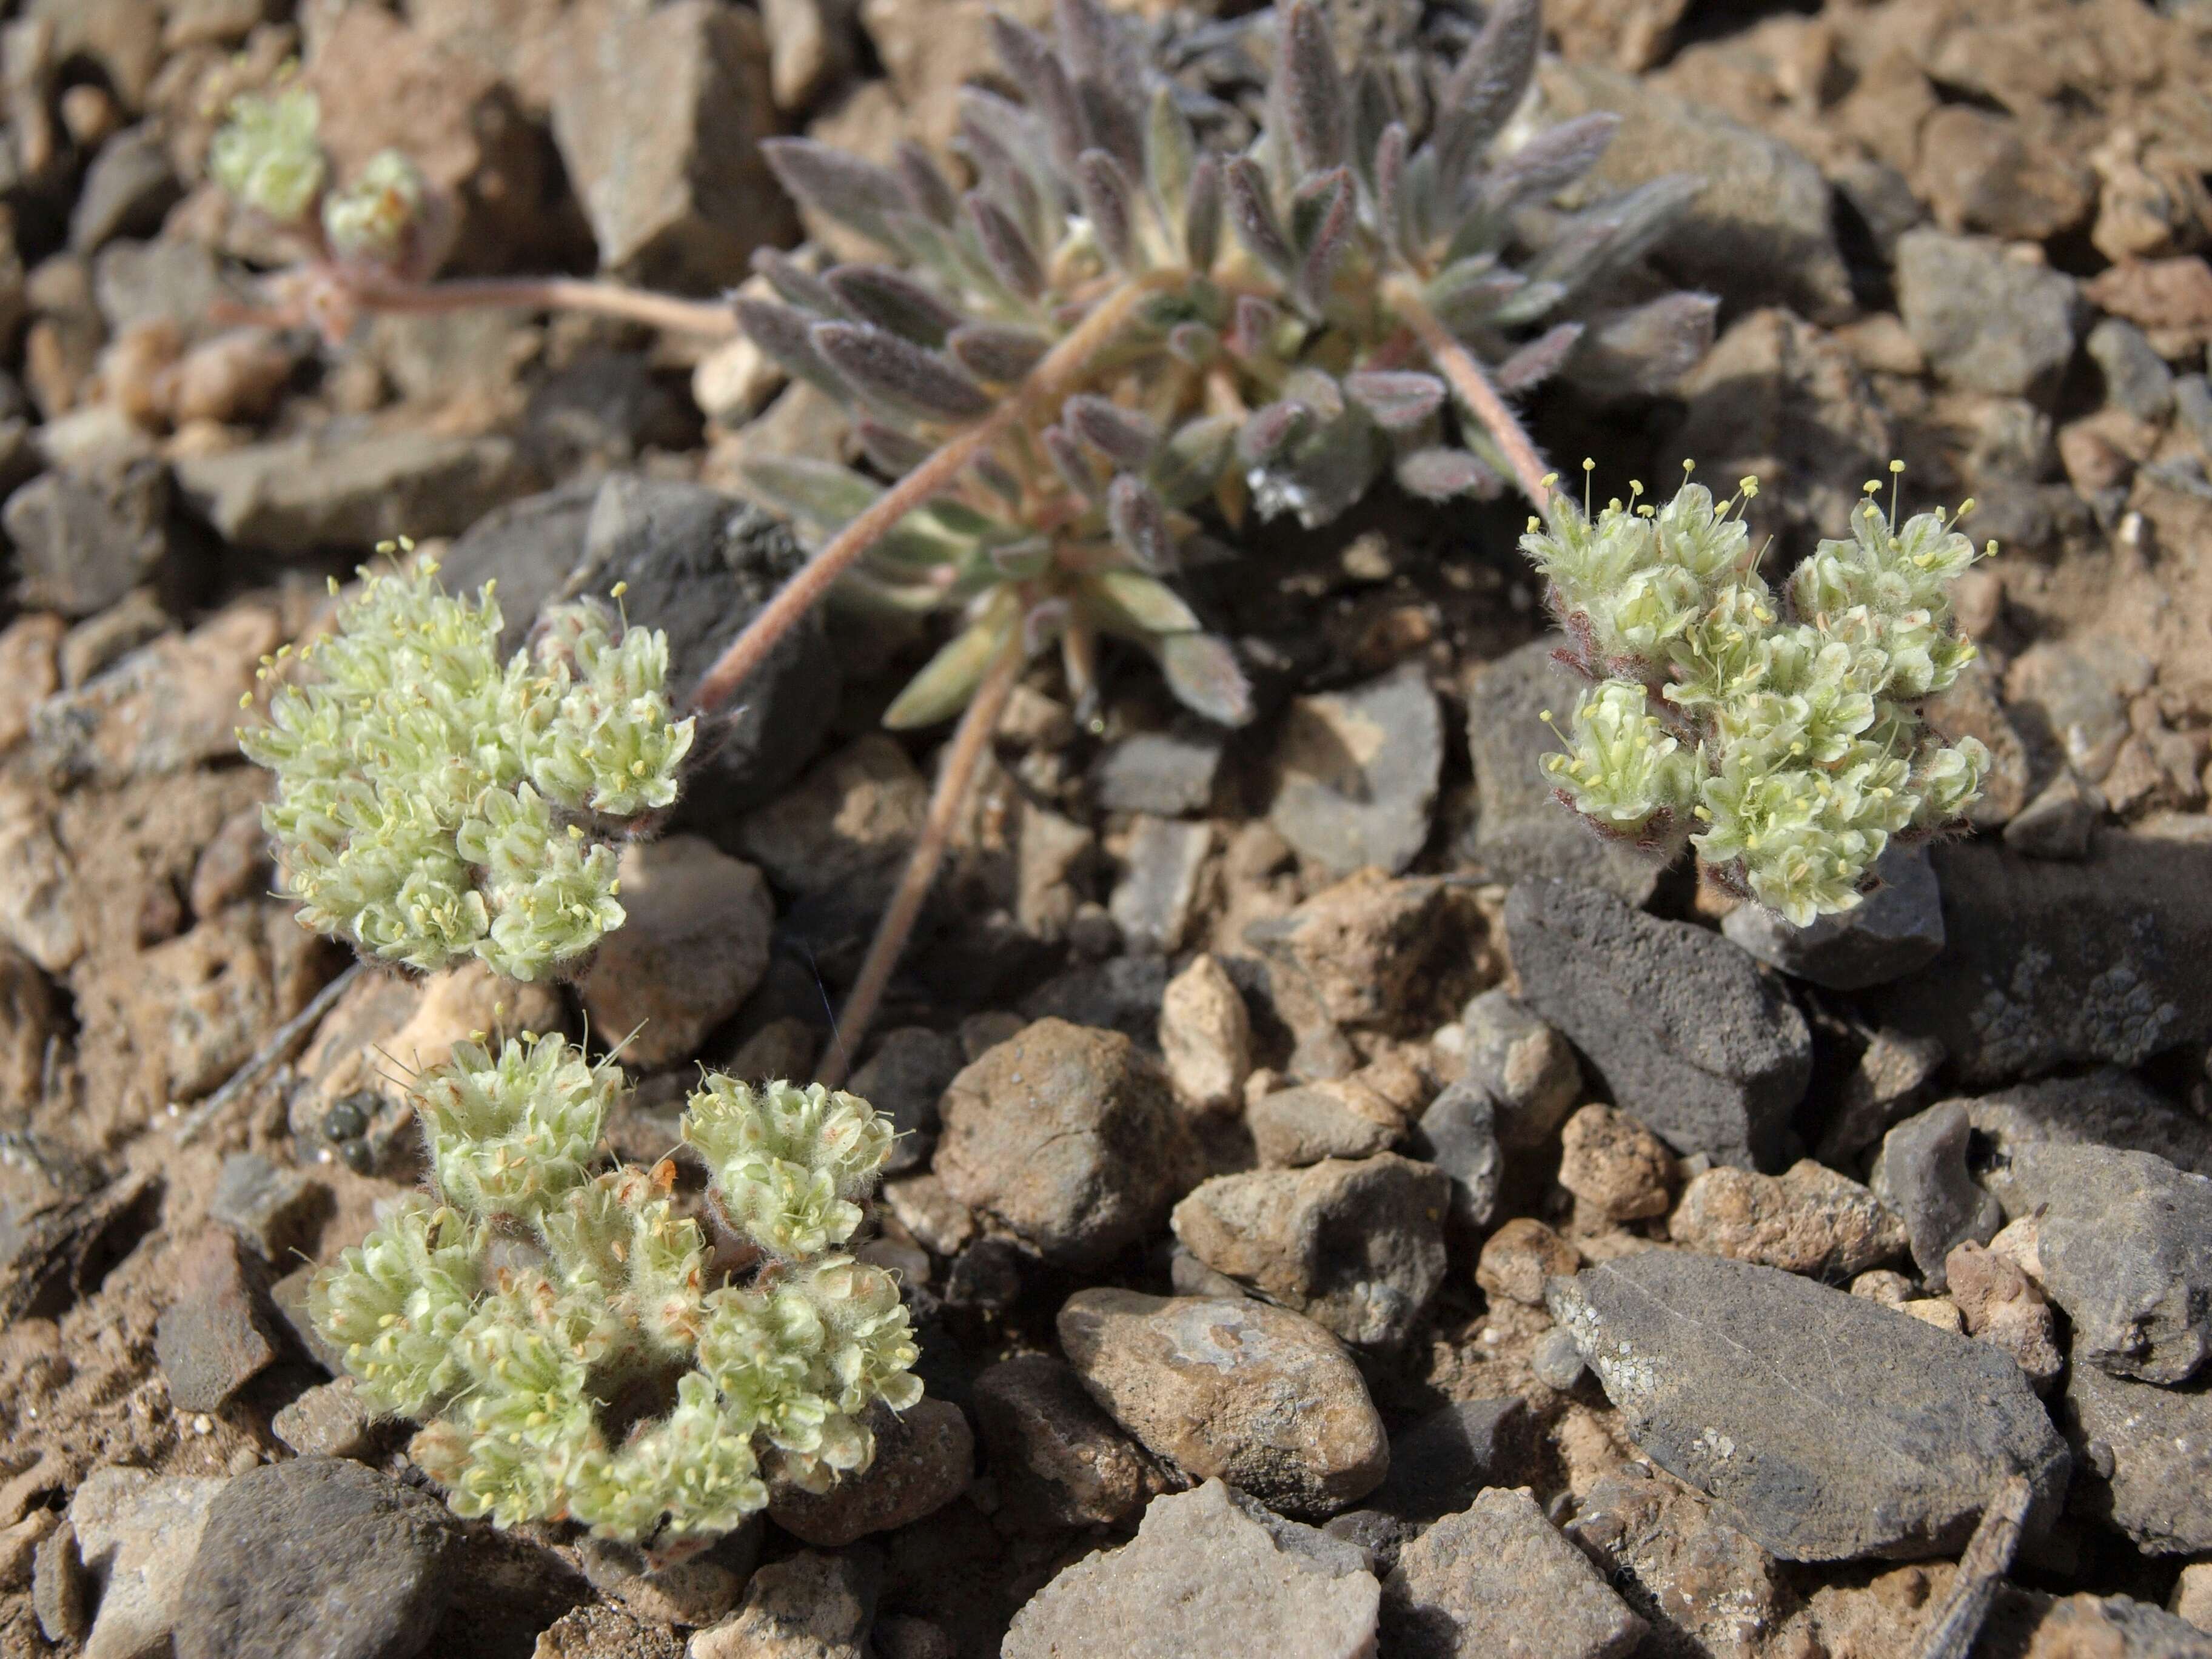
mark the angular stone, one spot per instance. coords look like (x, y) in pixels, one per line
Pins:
(136, 1534)
(1520, 1256)
(1807, 1220)
(317, 1556)
(1458, 1133)
(1692, 1040)
(290, 497)
(694, 944)
(268, 1207)
(1070, 1136)
(1206, 1036)
(1921, 1174)
(2104, 1108)
(924, 1458)
(1986, 321)
(1704, 1587)
(1893, 1077)
(1152, 903)
(1498, 1578)
(2025, 1623)
(1357, 772)
(1168, 773)
(1520, 832)
(659, 116)
(1759, 229)
(1340, 1117)
(2137, 378)
(1257, 1395)
(82, 543)
(1892, 931)
(2001, 1305)
(848, 825)
(1615, 1165)
(1355, 1246)
(1205, 1575)
(808, 1606)
(1527, 1068)
(1823, 1425)
(217, 1336)
(328, 1420)
(1054, 1454)
(2125, 1246)
(1440, 1463)
(2059, 822)
(2144, 1457)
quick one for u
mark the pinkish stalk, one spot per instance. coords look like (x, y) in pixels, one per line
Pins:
(713, 317)
(955, 775)
(1459, 367)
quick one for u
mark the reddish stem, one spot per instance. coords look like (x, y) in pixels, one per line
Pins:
(713, 318)
(1458, 366)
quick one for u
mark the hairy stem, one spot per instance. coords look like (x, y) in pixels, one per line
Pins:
(713, 317)
(1458, 366)
(955, 776)
(1048, 383)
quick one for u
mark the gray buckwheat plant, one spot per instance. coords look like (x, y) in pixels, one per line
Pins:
(579, 1347)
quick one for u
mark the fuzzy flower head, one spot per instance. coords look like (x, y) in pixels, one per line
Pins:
(1151, 329)
(572, 1346)
(375, 218)
(1789, 733)
(267, 155)
(435, 802)
(790, 1164)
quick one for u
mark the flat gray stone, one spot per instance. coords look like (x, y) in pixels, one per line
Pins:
(2048, 964)
(1825, 1425)
(1204, 1576)
(1440, 1463)
(136, 1534)
(1921, 1174)
(1692, 1039)
(2124, 1241)
(1458, 1133)
(2143, 1459)
(1168, 773)
(2104, 1108)
(1357, 772)
(1986, 321)
(1892, 931)
(1498, 1578)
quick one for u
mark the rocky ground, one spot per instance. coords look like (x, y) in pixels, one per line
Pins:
(1338, 1197)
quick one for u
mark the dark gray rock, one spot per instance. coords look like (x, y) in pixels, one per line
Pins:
(1357, 772)
(1358, 1246)
(1339, 1117)
(218, 1335)
(2124, 1241)
(1895, 929)
(1121, 994)
(2104, 1108)
(1520, 830)
(1058, 1459)
(528, 548)
(2137, 378)
(127, 189)
(1826, 1426)
(2143, 1459)
(1168, 773)
(1498, 1578)
(700, 565)
(1458, 1133)
(924, 1458)
(1152, 903)
(1892, 1077)
(268, 1207)
(1986, 321)
(83, 543)
(903, 1079)
(1556, 1360)
(1921, 1174)
(1070, 1136)
(605, 409)
(317, 1557)
(2049, 965)
(1440, 1462)
(1527, 1068)
(2058, 822)
(2025, 1624)
(1692, 1039)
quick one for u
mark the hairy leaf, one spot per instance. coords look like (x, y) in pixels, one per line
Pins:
(1122, 436)
(1171, 154)
(1396, 399)
(1322, 216)
(890, 299)
(927, 191)
(1271, 429)
(896, 451)
(899, 375)
(1071, 461)
(1252, 215)
(1104, 189)
(1201, 219)
(855, 193)
(943, 686)
(1191, 462)
(1252, 325)
(1645, 351)
(996, 352)
(1538, 361)
(1013, 260)
(1437, 474)
(1202, 672)
(1549, 162)
(785, 334)
(1313, 90)
(1129, 602)
(801, 287)
(1139, 523)
(821, 492)
(1487, 87)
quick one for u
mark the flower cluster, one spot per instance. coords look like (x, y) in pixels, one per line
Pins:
(1151, 330)
(435, 803)
(1778, 733)
(567, 1339)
